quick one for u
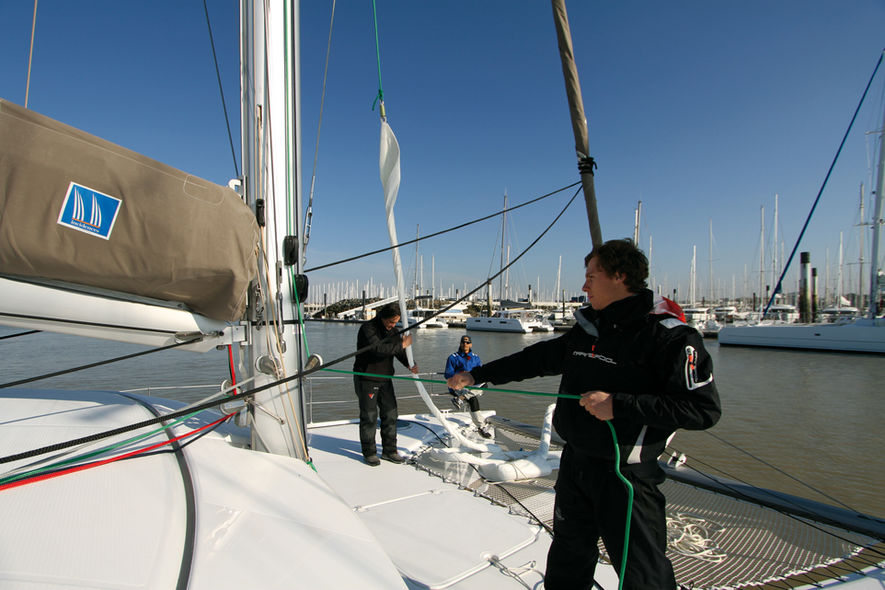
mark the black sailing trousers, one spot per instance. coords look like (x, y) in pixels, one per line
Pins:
(375, 397)
(591, 502)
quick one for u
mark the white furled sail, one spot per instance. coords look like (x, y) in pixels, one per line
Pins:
(390, 179)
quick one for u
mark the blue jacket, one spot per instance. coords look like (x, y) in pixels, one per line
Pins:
(459, 362)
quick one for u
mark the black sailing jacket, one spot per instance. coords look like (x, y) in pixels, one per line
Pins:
(386, 344)
(640, 350)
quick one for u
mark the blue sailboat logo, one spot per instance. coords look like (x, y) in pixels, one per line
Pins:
(89, 211)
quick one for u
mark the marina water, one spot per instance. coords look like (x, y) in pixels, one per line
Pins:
(815, 416)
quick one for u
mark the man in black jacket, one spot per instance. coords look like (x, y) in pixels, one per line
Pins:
(639, 367)
(375, 392)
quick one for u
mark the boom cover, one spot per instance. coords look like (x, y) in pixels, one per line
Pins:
(79, 209)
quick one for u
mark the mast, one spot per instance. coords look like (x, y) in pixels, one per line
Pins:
(415, 292)
(775, 271)
(876, 221)
(636, 217)
(503, 232)
(860, 256)
(558, 276)
(762, 260)
(652, 284)
(579, 119)
(507, 277)
(839, 285)
(692, 293)
(270, 98)
(711, 262)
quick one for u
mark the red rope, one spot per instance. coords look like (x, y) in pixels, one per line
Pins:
(45, 476)
(233, 374)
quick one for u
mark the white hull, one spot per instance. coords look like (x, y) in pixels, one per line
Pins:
(194, 519)
(862, 335)
(508, 324)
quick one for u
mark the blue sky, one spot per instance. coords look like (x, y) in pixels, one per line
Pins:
(702, 110)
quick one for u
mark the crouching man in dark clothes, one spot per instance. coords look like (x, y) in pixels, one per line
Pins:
(376, 393)
(635, 363)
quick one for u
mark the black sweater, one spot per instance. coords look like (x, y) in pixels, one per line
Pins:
(640, 350)
(385, 344)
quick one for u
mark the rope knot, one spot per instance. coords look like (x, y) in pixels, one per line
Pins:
(586, 164)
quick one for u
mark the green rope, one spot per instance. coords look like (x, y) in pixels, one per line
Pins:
(405, 378)
(380, 95)
(611, 427)
(133, 440)
(629, 503)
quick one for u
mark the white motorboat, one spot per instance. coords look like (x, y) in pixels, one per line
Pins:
(523, 321)
(428, 318)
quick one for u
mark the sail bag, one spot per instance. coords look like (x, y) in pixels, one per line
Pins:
(79, 209)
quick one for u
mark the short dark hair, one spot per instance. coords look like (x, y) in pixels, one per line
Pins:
(622, 256)
(390, 310)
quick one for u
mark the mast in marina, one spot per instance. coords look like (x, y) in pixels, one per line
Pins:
(876, 222)
(579, 119)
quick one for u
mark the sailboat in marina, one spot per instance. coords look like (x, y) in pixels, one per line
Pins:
(118, 490)
(855, 334)
(518, 319)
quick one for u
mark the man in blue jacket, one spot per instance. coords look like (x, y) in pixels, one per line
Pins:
(637, 366)
(464, 360)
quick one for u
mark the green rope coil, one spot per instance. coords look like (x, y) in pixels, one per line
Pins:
(629, 487)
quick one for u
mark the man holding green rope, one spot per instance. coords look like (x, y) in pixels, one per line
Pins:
(641, 373)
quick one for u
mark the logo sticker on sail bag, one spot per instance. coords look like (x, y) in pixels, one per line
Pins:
(89, 211)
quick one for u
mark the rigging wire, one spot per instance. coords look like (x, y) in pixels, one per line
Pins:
(252, 392)
(28, 333)
(444, 231)
(823, 185)
(380, 96)
(31, 55)
(308, 215)
(781, 471)
(188, 340)
(738, 493)
(230, 137)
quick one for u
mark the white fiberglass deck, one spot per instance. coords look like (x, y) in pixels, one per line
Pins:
(440, 536)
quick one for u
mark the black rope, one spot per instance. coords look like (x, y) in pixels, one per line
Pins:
(20, 334)
(439, 233)
(230, 137)
(500, 272)
(586, 165)
(99, 363)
